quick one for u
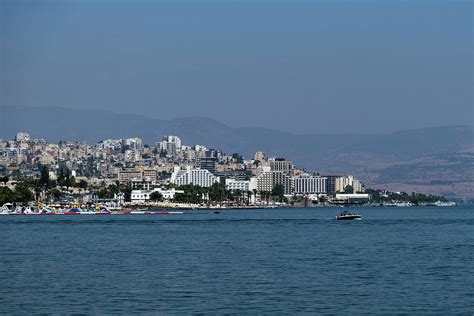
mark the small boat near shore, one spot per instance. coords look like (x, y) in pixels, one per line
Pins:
(346, 215)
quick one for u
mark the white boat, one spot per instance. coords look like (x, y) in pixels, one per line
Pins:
(399, 204)
(346, 215)
(444, 204)
(403, 204)
(7, 209)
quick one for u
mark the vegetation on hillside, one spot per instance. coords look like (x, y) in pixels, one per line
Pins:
(379, 196)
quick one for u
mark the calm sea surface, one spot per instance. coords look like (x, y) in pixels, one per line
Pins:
(396, 260)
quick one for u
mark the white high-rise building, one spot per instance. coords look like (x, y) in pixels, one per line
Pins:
(343, 182)
(268, 180)
(200, 177)
(134, 143)
(171, 144)
(280, 164)
(310, 185)
(22, 137)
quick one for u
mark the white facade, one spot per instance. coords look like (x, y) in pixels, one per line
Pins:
(144, 195)
(22, 137)
(200, 177)
(280, 164)
(171, 144)
(308, 185)
(134, 143)
(111, 144)
(243, 185)
(352, 198)
(343, 182)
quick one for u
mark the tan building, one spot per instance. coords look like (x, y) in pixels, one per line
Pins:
(129, 175)
(268, 180)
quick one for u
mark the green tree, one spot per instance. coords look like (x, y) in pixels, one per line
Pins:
(6, 195)
(22, 193)
(348, 189)
(237, 195)
(278, 192)
(248, 194)
(156, 196)
(55, 193)
(44, 177)
(217, 192)
(37, 189)
(83, 184)
(5, 179)
(265, 195)
(192, 194)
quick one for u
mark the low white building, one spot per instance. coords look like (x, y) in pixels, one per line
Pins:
(144, 195)
(352, 198)
(243, 185)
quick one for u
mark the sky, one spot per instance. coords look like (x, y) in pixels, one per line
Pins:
(300, 66)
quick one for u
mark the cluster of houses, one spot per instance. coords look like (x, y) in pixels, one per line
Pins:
(147, 169)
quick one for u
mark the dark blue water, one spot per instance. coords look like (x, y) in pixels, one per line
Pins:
(396, 260)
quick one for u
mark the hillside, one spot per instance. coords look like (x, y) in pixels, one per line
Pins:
(379, 159)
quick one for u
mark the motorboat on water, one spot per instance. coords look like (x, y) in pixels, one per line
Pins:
(12, 209)
(444, 204)
(346, 215)
(7, 208)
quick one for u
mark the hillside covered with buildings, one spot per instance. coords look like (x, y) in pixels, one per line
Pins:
(128, 170)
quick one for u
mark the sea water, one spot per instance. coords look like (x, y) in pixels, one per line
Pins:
(396, 260)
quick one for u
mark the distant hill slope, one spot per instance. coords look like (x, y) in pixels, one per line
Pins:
(358, 154)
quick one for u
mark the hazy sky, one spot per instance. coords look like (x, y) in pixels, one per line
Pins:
(313, 66)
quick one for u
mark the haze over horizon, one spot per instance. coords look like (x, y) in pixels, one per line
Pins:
(319, 67)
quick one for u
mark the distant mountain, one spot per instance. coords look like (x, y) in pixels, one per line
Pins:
(363, 155)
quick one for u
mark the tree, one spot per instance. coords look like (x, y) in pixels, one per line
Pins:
(156, 196)
(37, 189)
(278, 192)
(6, 195)
(5, 180)
(217, 192)
(55, 193)
(44, 178)
(265, 195)
(22, 193)
(348, 189)
(83, 184)
(192, 194)
(237, 195)
(248, 193)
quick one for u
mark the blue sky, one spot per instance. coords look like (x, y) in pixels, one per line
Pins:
(301, 66)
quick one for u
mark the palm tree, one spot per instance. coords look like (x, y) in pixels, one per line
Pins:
(247, 194)
(237, 194)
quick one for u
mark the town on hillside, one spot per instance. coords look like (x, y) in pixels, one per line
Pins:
(127, 172)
